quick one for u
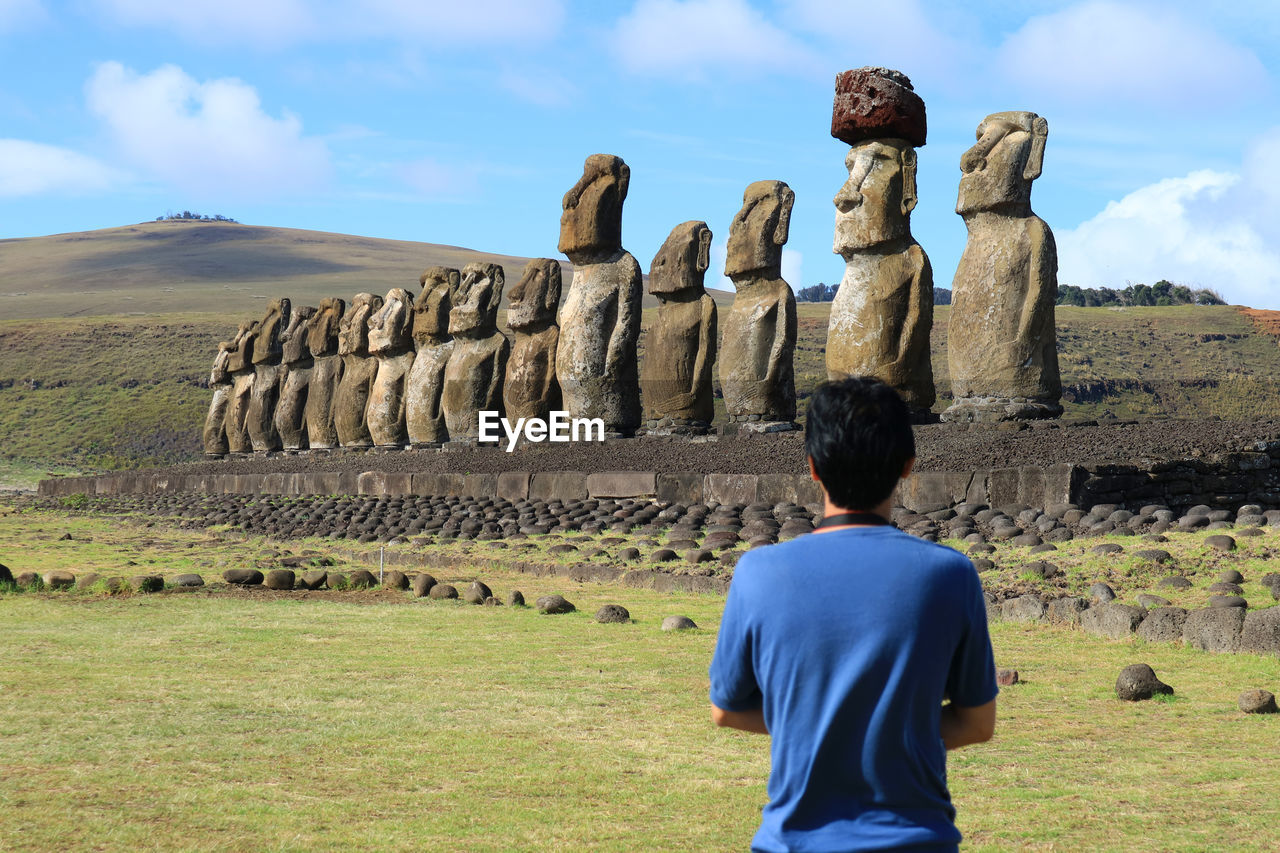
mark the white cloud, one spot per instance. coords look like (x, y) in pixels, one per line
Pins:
(1105, 52)
(273, 23)
(1208, 229)
(440, 181)
(16, 14)
(33, 168)
(212, 138)
(684, 39)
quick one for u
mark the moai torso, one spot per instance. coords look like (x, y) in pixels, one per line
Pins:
(473, 377)
(215, 423)
(424, 414)
(531, 389)
(290, 417)
(756, 357)
(600, 319)
(680, 348)
(390, 340)
(883, 312)
(267, 354)
(359, 369)
(240, 366)
(326, 373)
(1002, 348)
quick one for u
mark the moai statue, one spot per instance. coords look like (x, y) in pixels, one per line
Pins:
(326, 373)
(1001, 346)
(359, 369)
(215, 424)
(391, 341)
(531, 389)
(290, 417)
(267, 355)
(424, 414)
(240, 366)
(757, 375)
(474, 374)
(681, 345)
(883, 311)
(600, 319)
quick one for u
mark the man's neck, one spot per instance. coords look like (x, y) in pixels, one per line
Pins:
(884, 509)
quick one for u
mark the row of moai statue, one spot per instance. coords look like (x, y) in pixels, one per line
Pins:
(399, 371)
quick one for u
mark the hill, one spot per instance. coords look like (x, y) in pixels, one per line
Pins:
(105, 349)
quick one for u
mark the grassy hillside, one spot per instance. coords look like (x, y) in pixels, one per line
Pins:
(107, 338)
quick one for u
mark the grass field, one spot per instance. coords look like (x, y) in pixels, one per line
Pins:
(241, 722)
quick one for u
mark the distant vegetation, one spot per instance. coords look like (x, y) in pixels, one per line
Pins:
(192, 216)
(826, 292)
(1159, 294)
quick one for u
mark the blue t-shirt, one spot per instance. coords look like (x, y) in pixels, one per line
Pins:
(850, 640)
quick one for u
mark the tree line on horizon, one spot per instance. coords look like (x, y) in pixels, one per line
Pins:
(192, 216)
(1159, 294)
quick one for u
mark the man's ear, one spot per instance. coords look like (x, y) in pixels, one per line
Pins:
(906, 469)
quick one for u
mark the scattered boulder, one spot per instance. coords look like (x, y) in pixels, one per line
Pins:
(1149, 601)
(1006, 677)
(422, 584)
(1106, 548)
(395, 579)
(516, 599)
(443, 591)
(1224, 588)
(146, 583)
(1230, 576)
(1138, 681)
(362, 579)
(188, 581)
(88, 579)
(1042, 569)
(1154, 555)
(477, 593)
(1101, 593)
(336, 580)
(1024, 608)
(279, 579)
(313, 579)
(1257, 701)
(1220, 542)
(554, 604)
(678, 623)
(59, 579)
(242, 577)
(1228, 601)
(6, 576)
(1067, 610)
(1175, 582)
(612, 613)
(629, 554)
(664, 555)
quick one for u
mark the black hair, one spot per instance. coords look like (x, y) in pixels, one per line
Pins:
(858, 433)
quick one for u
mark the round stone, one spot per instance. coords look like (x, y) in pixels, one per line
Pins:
(422, 584)
(280, 579)
(612, 613)
(555, 604)
(443, 591)
(1138, 681)
(242, 577)
(678, 623)
(1257, 701)
(1220, 542)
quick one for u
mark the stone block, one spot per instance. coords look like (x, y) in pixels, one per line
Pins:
(319, 484)
(1214, 629)
(730, 488)
(565, 485)
(1002, 487)
(1031, 486)
(437, 485)
(622, 484)
(513, 485)
(799, 489)
(680, 488)
(273, 484)
(480, 485)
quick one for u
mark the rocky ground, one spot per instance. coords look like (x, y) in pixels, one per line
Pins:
(939, 447)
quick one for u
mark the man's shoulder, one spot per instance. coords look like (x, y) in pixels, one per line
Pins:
(883, 543)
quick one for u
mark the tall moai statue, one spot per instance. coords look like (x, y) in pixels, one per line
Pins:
(291, 410)
(215, 423)
(240, 366)
(326, 373)
(531, 389)
(883, 311)
(267, 356)
(391, 342)
(359, 369)
(424, 414)
(473, 377)
(757, 374)
(600, 319)
(680, 349)
(1001, 345)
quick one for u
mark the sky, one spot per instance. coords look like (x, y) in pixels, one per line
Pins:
(464, 122)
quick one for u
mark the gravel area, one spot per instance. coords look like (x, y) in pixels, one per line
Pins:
(940, 447)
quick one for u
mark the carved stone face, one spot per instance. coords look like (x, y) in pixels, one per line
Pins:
(220, 374)
(353, 332)
(999, 169)
(431, 308)
(681, 264)
(266, 345)
(294, 339)
(389, 327)
(759, 230)
(591, 225)
(874, 206)
(241, 357)
(475, 309)
(533, 301)
(322, 329)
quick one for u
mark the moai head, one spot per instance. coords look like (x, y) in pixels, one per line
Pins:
(353, 331)
(432, 307)
(241, 357)
(294, 339)
(475, 308)
(389, 328)
(266, 344)
(591, 225)
(874, 206)
(999, 169)
(220, 374)
(759, 230)
(681, 263)
(533, 301)
(322, 328)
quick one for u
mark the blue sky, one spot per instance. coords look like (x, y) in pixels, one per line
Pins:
(465, 122)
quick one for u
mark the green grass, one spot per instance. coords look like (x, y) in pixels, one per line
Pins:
(372, 720)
